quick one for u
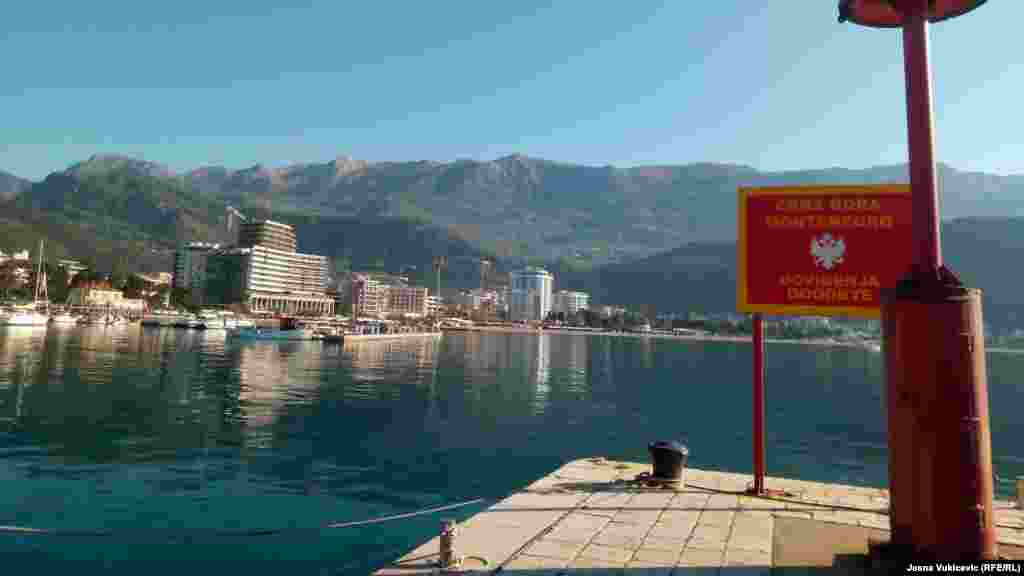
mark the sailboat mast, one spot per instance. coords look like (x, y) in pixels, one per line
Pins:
(41, 290)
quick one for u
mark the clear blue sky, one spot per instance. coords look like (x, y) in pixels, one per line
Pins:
(777, 85)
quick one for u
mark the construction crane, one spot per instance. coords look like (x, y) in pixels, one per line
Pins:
(485, 267)
(232, 214)
(439, 263)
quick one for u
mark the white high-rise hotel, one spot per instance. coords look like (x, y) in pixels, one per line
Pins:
(266, 273)
(530, 294)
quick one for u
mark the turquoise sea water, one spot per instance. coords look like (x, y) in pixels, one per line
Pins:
(177, 442)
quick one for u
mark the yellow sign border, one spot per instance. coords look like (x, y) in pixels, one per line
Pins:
(742, 302)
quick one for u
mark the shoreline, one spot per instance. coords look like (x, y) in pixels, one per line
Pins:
(692, 337)
(704, 338)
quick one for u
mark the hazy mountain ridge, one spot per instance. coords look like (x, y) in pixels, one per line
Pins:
(518, 206)
(11, 185)
(671, 227)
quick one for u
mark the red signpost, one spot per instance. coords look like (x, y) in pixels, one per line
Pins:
(822, 250)
(816, 251)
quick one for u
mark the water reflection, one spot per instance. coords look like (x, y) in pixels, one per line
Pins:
(132, 427)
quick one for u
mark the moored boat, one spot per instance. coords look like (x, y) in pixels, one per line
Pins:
(27, 316)
(64, 319)
(161, 318)
(289, 329)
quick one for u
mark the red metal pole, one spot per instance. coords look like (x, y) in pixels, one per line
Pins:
(923, 184)
(759, 464)
(940, 462)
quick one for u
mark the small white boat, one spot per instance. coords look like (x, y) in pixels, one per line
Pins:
(161, 318)
(115, 321)
(24, 317)
(290, 329)
(64, 319)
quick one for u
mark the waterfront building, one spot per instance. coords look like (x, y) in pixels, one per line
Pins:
(366, 296)
(610, 311)
(158, 279)
(468, 300)
(264, 279)
(530, 294)
(95, 293)
(374, 296)
(569, 302)
(406, 300)
(190, 267)
(100, 294)
(263, 272)
(434, 305)
(267, 233)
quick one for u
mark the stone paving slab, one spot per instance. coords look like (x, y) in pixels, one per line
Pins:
(590, 516)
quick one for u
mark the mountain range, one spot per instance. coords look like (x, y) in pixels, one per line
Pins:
(658, 235)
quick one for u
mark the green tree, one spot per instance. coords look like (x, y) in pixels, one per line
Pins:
(185, 298)
(57, 283)
(134, 287)
(8, 281)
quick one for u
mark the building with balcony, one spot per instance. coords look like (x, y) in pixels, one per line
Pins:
(366, 296)
(610, 311)
(530, 296)
(264, 279)
(407, 300)
(434, 305)
(269, 234)
(264, 273)
(373, 297)
(569, 302)
(95, 294)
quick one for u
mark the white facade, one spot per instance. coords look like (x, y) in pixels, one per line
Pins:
(609, 311)
(434, 305)
(268, 280)
(366, 296)
(569, 302)
(530, 294)
(272, 270)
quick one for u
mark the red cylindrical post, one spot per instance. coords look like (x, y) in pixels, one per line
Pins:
(759, 441)
(940, 459)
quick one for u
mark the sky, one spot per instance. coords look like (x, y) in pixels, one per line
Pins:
(776, 85)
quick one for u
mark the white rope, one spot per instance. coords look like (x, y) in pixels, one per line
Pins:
(29, 531)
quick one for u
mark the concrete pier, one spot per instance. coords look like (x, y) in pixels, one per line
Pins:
(590, 516)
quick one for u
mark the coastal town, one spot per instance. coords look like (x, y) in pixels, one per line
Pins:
(250, 286)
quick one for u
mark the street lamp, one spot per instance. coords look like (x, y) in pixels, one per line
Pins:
(940, 459)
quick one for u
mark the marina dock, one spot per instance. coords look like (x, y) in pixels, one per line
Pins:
(392, 336)
(592, 516)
